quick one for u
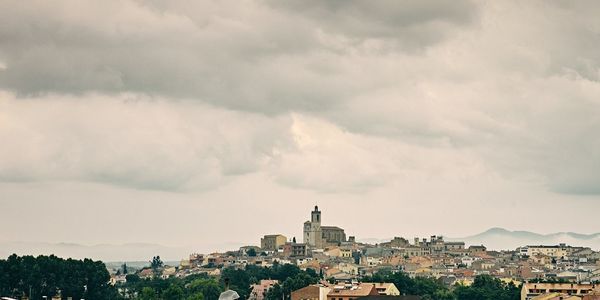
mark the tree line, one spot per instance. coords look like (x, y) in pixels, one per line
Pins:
(484, 287)
(47, 276)
(203, 287)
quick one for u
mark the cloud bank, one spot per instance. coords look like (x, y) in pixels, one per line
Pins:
(337, 96)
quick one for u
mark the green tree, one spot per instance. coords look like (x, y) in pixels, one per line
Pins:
(486, 287)
(251, 252)
(427, 288)
(173, 292)
(209, 288)
(44, 275)
(156, 263)
(147, 293)
(132, 278)
(196, 296)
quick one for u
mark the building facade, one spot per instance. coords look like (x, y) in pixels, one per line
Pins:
(317, 236)
(313, 235)
(272, 242)
(333, 235)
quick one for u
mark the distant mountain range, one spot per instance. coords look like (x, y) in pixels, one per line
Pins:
(104, 252)
(493, 239)
(502, 239)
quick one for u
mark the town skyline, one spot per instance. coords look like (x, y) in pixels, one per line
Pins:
(495, 239)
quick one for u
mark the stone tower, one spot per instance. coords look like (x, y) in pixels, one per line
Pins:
(313, 235)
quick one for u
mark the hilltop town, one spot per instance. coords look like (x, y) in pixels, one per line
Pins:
(343, 264)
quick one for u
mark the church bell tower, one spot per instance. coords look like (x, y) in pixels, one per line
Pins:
(313, 235)
(316, 215)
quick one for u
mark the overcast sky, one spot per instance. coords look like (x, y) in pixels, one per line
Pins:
(212, 123)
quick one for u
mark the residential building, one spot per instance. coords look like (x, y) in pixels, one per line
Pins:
(555, 251)
(477, 249)
(384, 288)
(531, 290)
(292, 249)
(352, 291)
(272, 242)
(453, 246)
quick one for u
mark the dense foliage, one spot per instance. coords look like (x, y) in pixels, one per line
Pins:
(429, 288)
(202, 287)
(289, 277)
(47, 275)
(483, 288)
(194, 287)
(486, 287)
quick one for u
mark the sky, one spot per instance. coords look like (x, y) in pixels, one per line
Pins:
(211, 123)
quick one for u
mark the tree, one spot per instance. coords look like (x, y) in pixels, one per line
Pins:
(195, 296)
(427, 288)
(132, 278)
(209, 288)
(156, 263)
(45, 275)
(147, 293)
(486, 287)
(251, 252)
(174, 292)
(124, 267)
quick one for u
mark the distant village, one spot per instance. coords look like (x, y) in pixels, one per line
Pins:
(343, 262)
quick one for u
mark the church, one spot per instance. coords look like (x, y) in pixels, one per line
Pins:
(319, 237)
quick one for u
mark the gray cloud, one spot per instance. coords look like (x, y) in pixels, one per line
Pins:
(132, 141)
(382, 91)
(411, 25)
(244, 56)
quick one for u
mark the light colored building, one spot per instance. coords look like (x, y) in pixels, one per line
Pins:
(168, 272)
(348, 268)
(371, 261)
(352, 291)
(453, 246)
(531, 290)
(387, 289)
(294, 250)
(555, 251)
(477, 249)
(411, 251)
(272, 242)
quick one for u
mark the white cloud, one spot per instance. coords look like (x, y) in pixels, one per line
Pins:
(131, 140)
